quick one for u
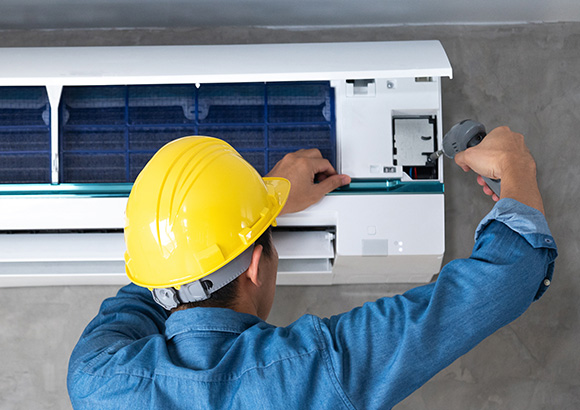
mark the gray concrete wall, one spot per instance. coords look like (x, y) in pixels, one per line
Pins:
(526, 76)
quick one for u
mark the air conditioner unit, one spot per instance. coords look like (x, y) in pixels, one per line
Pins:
(78, 124)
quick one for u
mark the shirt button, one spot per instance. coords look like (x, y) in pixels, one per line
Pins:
(547, 282)
(548, 240)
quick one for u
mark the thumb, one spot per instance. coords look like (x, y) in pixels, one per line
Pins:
(332, 182)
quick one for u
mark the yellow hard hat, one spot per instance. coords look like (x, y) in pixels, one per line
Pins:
(196, 206)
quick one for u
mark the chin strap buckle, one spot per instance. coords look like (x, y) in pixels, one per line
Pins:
(202, 289)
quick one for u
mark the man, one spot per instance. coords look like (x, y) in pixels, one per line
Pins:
(197, 236)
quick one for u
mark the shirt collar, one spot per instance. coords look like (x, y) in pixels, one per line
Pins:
(209, 320)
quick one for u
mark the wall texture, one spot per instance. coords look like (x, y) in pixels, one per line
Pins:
(526, 76)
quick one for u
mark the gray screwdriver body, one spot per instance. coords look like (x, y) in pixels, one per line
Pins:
(463, 135)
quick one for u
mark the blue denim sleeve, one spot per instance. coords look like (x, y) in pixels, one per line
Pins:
(130, 316)
(384, 350)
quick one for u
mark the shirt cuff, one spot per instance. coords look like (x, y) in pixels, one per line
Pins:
(531, 225)
(522, 219)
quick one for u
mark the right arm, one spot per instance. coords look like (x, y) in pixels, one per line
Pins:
(503, 155)
(383, 351)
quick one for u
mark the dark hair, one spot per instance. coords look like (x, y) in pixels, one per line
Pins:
(226, 296)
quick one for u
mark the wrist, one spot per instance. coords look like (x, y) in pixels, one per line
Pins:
(519, 182)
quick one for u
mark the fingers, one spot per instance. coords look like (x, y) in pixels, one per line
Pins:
(501, 149)
(322, 167)
(486, 189)
(461, 161)
(309, 160)
(331, 183)
(310, 153)
(315, 159)
(310, 175)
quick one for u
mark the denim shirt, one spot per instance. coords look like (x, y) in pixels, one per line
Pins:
(133, 356)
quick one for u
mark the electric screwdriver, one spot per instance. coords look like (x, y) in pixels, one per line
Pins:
(463, 135)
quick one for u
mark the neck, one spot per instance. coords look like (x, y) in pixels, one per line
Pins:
(245, 304)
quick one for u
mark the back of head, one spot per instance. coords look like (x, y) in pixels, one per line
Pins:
(196, 210)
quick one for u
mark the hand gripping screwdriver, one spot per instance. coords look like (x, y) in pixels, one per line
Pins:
(463, 135)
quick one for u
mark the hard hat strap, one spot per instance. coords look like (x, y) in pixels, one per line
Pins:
(202, 289)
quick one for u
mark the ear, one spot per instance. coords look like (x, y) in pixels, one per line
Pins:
(252, 272)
